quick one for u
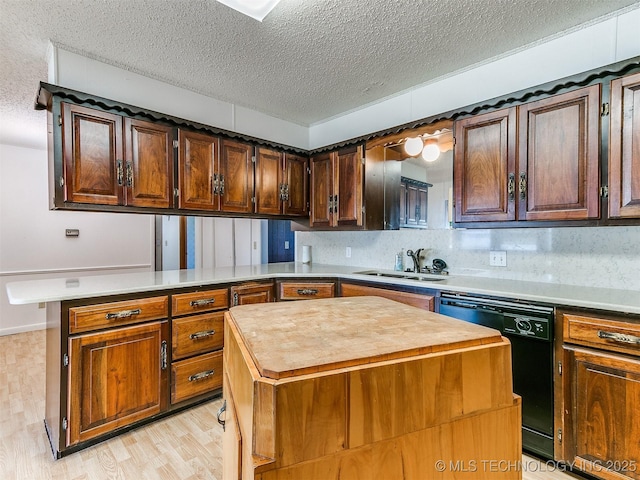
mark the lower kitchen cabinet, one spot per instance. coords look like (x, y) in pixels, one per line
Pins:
(116, 377)
(305, 290)
(252, 292)
(420, 300)
(600, 394)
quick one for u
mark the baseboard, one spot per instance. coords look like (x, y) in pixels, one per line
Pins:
(22, 329)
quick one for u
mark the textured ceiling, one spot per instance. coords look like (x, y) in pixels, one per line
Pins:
(307, 61)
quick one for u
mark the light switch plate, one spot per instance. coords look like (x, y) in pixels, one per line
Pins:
(498, 258)
(347, 252)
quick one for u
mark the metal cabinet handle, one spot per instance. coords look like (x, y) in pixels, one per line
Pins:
(619, 337)
(221, 410)
(523, 185)
(203, 302)
(215, 184)
(123, 314)
(221, 184)
(203, 334)
(511, 186)
(119, 172)
(201, 376)
(307, 291)
(163, 355)
(335, 204)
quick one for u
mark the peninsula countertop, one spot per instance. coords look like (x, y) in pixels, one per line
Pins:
(71, 288)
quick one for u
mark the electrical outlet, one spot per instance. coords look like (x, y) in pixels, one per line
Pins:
(347, 252)
(286, 244)
(498, 258)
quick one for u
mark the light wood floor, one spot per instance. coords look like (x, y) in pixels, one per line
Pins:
(184, 446)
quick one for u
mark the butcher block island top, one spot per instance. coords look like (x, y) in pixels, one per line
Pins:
(365, 388)
(289, 339)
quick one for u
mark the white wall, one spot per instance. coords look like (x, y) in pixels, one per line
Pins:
(600, 44)
(96, 78)
(33, 241)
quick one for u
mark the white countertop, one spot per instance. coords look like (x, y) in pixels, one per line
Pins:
(70, 288)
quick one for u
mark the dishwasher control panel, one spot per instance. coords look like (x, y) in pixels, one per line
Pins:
(533, 327)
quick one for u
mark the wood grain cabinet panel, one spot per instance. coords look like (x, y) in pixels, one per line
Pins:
(117, 314)
(305, 290)
(236, 177)
(269, 181)
(598, 394)
(321, 190)
(197, 334)
(248, 293)
(337, 182)
(484, 166)
(196, 376)
(197, 163)
(93, 156)
(624, 148)
(116, 377)
(200, 301)
(296, 174)
(558, 162)
(148, 164)
(424, 301)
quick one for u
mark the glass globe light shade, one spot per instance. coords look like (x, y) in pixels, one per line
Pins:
(413, 146)
(430, 152)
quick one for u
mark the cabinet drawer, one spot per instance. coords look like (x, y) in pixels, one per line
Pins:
(115, 314)
(301, 291)
(195, 376)
(195, 302)
(197, 334)
(603, 333)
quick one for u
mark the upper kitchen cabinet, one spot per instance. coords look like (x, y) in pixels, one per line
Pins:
(535, 162)
(624, 148)
(111, 160)
(484, 167)
(197, 171)
(337, 181)
(281, 183)
(235, 178)
(558, 161)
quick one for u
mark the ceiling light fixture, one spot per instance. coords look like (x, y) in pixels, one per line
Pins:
(257, 9)
(431, 151)
(413, 146)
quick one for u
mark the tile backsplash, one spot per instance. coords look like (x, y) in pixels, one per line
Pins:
(607, 257)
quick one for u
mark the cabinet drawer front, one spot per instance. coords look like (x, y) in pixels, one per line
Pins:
(197, 334)
(115, 314)
(195, 376)
(194, 302)
(602, 333)
(301, 291)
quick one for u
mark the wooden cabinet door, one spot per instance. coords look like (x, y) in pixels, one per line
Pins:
(116, 377)
(252, 293)
(231, 437)
(484, 166)
(422, 198)
(412, 205)
(197, 158)
(348, 180)
(558, 161)
(296, 178)
(148, 164)
(606, 401)
(624, 148)
(92, 150)
(426, 302)
(269, 181)
(235, 177)
(403, 204)
(321, 191)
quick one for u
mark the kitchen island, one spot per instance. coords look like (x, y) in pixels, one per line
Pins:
(363, 388)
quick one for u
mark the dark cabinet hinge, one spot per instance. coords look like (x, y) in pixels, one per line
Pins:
(65, 360)
(559, 435)
(175, 144)
(235, 299)
(604, 110)
(60, 120)
(559, 368)
(64, 423)
(604, 191)
(253, 159)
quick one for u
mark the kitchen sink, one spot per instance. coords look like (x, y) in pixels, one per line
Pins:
(426, 277)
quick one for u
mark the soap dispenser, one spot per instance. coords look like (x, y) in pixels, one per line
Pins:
(399, 267)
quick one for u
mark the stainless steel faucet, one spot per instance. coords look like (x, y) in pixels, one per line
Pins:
(415, 256)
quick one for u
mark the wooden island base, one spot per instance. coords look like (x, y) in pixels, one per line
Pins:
(366, 388)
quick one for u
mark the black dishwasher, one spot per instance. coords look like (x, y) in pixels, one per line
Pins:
(529, 328)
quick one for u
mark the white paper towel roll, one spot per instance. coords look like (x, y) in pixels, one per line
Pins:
(306, 253)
